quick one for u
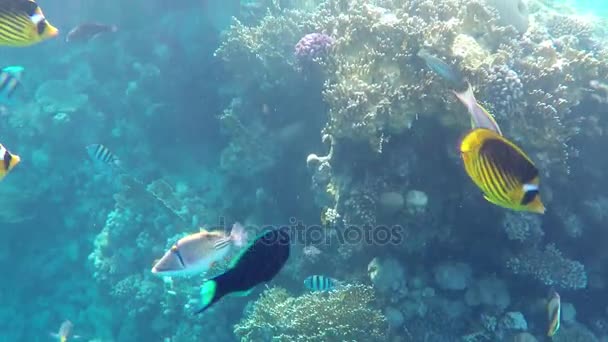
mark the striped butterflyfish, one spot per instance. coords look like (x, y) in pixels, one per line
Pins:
(504, 173)
(22, 23)
(8, 161)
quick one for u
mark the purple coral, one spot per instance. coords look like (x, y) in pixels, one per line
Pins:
(313, 46)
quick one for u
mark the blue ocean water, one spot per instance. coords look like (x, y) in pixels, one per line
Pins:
(319, 116)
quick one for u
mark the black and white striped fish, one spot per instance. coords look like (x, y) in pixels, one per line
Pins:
(102, 154)
(320, 283)
(10, 78)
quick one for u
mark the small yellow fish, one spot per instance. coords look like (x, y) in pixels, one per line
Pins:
(22, 23)
(554, 314)
(504, 173)
(7, 161)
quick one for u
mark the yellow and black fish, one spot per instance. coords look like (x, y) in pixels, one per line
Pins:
(7, 161)
(504, 173)
(22, 23)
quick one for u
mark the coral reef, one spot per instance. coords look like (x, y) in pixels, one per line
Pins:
(550, 267)
(341, 315)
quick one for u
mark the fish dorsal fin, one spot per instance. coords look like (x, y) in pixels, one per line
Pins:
(240, 254)
(28, 6)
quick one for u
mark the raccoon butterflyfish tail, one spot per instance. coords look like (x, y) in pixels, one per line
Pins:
(554, 314)
(504, 173)
(480, 118)
(259, 263)
(22, 23)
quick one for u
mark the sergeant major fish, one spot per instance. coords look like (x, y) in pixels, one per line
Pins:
(10, 78)
(197, 253)
(101, 154)
(319, 283)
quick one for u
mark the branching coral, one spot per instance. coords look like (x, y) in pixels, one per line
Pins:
(522, 227)
(342, 315)
(550, 267)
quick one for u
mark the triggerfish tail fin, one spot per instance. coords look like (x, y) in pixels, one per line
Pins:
(480, 118)
(238, 234)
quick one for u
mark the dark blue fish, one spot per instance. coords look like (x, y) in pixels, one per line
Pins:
(320, 283)
(448, 73)
(257, 264)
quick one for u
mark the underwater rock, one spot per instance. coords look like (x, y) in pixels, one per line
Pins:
(59, 96)
(416, 201)
(391, 202)
(472, 54)
(394, 317)
(568, 313)
(387, 275)
(514, 320)
(524, 337)
(512, 12)
(453, 276)
(489, 291)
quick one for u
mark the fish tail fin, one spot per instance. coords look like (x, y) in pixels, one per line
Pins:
(467, 97)
(238, 234)
(208, 295)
